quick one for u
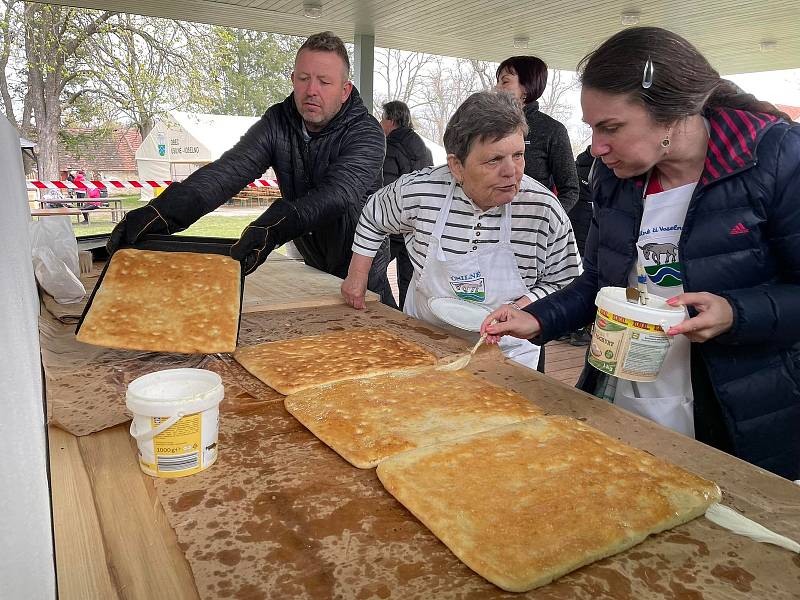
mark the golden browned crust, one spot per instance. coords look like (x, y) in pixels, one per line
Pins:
(524, 504)
(289, 366)
(367, 420)
(166, 302)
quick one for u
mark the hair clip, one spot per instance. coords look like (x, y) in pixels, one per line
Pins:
(647, 76)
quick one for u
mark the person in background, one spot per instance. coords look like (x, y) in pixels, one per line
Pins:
(548, 152)
(477, 228)
(93, 194)
(690, 162)
(80, 177)
(581, 218)
(405, 152)
(71, 177)
(327, 153)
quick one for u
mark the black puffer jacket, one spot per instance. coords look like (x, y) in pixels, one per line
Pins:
(581, 214)
(741, 241)
(548, 155)
(405, 152)
(327, 178)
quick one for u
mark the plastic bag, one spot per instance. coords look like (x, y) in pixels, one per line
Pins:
(56, 233)
(54, 251)
(55, 277)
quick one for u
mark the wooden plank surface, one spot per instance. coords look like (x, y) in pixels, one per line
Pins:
(287, 284)
(141, 540)
(112, 537)
(564, 362)
(81, 566)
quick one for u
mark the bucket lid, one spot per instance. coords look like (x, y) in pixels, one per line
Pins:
(165, 393)
(655, 312)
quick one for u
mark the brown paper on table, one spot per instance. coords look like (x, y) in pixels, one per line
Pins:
(280, 515)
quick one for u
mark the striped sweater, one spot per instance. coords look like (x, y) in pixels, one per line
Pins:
(541, 235)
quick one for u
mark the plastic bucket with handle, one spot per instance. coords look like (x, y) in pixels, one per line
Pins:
(175, 420)
(629, 340)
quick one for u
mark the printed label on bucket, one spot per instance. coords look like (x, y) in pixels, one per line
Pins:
(627, 348)
(646, 353)
(629, 322)
(606, 344)
(178, 448)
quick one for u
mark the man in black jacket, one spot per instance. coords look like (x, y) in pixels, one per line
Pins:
(405, 152)
(327, 152)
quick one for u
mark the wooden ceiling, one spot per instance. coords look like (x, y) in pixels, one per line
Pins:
(730, 32)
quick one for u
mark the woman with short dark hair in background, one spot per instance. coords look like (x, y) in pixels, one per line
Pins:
(710, 176)
(548, 152)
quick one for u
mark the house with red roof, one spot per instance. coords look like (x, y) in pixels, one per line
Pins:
(102, 153)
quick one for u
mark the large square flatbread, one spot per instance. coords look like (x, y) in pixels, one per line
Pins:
(368, 420)
(289, 366)
(166, 302)
(524, 504)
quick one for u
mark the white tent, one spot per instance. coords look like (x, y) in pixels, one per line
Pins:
(181, 142)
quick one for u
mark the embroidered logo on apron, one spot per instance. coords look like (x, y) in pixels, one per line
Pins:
(471, 287)
(666, 272)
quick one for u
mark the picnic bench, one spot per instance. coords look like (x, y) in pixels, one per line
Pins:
(116, 213)
(55, 212)
(256, 197)
(113, 203)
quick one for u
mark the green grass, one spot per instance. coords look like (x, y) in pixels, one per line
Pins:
(209, 226)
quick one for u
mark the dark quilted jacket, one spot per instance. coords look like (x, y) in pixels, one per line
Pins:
(741, 240)
(405, 152)
(548, 155)
(327, 178)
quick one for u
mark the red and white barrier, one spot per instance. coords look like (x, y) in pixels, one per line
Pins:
(118, 184)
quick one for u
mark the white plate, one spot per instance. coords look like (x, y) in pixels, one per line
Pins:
(459, 313)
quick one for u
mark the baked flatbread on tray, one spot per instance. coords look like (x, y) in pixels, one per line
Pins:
(289, 366)
(526, 503)
(367, 420)
(166, 302)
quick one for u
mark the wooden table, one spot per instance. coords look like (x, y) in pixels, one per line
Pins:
(283, 283)
(302, 523)
(56, 212)
(112, 202)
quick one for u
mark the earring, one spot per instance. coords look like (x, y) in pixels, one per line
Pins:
(665, 142)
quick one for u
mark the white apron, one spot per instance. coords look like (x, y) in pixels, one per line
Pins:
(488, 276)
(668, 400)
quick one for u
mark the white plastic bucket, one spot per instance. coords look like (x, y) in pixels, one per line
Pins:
(175, 420)
(629, 340)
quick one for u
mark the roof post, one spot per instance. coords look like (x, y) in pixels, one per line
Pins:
(364, 65)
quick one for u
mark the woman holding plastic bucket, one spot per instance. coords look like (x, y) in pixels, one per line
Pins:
(699, 184)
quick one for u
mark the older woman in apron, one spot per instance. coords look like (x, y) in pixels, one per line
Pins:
(476, 228)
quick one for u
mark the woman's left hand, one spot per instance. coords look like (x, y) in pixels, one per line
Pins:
(715, 316)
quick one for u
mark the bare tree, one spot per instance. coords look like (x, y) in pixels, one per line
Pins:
(554, 100)
(446, 87)
(403, 73)
(485, 72)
